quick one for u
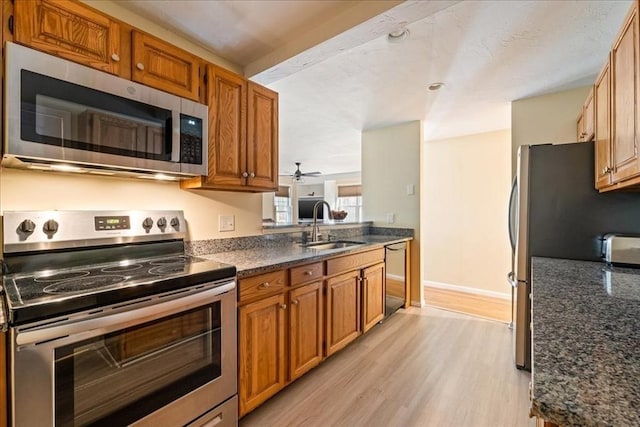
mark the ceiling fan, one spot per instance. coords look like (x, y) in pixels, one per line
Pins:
(298, 174)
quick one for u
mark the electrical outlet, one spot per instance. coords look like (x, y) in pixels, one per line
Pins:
(391, 217)
(226, 223)
(411, 189)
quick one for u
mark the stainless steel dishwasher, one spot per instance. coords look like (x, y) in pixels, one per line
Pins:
(395, 291)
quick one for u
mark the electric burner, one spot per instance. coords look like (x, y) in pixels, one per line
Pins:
(93, 283)
(61, 276)
(121, 268)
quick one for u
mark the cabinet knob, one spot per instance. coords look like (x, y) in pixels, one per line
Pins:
(283, 306)
(294, 302)
(244, 174)
(115, 57)
(252, 175)
(606, 170)
(140, 66)
(264, 285)
(308, 273)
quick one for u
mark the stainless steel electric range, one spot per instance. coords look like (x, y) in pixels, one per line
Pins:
(112, 324)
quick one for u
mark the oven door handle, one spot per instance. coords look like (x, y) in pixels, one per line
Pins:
(101, 323)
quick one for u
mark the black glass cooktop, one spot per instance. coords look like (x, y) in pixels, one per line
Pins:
(50, 293)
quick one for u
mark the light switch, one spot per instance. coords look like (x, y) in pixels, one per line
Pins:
(226, 223)
(391, 217)
(411, 189)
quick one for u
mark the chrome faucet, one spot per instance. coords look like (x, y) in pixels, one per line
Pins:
(316, 231)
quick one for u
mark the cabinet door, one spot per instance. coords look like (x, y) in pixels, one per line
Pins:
(343, 310)
(603, 128)
(305, 329)
(163, 66)
(624, 113)
(227, 127)
(588, 117)
(373, 283)
(262, 137)
(4, 380)
(69, 30)
(261, 360)
(580, 128)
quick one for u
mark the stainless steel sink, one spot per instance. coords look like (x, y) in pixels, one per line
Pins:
(338, 244)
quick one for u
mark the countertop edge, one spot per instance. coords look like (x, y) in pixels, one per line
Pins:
(303, 259)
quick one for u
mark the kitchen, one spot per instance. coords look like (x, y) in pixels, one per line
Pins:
(114, 193)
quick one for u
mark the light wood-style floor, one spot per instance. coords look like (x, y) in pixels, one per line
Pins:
(422, 367)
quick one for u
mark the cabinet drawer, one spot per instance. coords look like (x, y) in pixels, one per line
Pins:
(306, 273)
(351, 262)
(262, 285)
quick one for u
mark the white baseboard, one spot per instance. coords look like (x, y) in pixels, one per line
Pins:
(466, 289)
(395, 277)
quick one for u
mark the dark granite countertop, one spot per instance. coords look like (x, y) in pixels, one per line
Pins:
(259, 260)
(586, 343)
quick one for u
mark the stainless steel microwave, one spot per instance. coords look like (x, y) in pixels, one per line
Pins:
(62, 115)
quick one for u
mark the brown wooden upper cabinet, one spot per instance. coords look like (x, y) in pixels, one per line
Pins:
(586, 119)
(617, 114)
(602, 95)
(624, 93)
(69, 30)
(163, 66)
(243, 135)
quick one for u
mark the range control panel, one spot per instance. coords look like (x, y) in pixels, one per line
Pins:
(37, 230)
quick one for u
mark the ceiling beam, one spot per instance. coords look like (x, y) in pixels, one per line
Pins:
(363, 22)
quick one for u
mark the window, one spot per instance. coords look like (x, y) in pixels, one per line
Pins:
(282, 206)
(350, 200)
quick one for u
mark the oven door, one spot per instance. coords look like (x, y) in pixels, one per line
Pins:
(167, 363)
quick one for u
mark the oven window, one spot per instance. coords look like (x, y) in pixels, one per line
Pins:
(120, 377)
(64, 114)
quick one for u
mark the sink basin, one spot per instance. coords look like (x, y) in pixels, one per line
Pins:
(338, 244)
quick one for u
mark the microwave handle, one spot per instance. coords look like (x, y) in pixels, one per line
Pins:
(175, 136)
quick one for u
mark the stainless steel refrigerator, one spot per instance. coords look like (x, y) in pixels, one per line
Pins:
(555, 211)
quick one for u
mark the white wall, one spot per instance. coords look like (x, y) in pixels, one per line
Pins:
(466, 189)
(546, 119)
(30, 190)
(390, 163)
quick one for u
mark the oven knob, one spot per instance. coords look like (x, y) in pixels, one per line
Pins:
(27, 226)
(50, 227)
(147, 223)
(175, 222)
(162, 222)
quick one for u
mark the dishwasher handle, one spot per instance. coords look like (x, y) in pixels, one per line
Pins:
(402, 246)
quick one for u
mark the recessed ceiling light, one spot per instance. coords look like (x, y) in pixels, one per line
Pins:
(398, 35)
(436, 86)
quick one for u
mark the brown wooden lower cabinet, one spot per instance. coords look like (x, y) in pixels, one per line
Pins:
(373, 284)
(305, 328)
(544, 423)
(261, 351)
(4, 402)
(296, 317)
(343, 310)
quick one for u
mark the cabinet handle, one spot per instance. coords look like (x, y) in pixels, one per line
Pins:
(140, 66)
(252, 175)
(264, 285)
(294, 302)
(283, 306)
(308, 273)
(115, 57)
(244, 174)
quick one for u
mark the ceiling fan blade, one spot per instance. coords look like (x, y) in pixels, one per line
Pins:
(311, 173)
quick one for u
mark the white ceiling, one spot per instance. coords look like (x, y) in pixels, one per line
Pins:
(337, 74)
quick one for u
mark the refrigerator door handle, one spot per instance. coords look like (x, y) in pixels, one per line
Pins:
(513, 216)
(511, 278)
